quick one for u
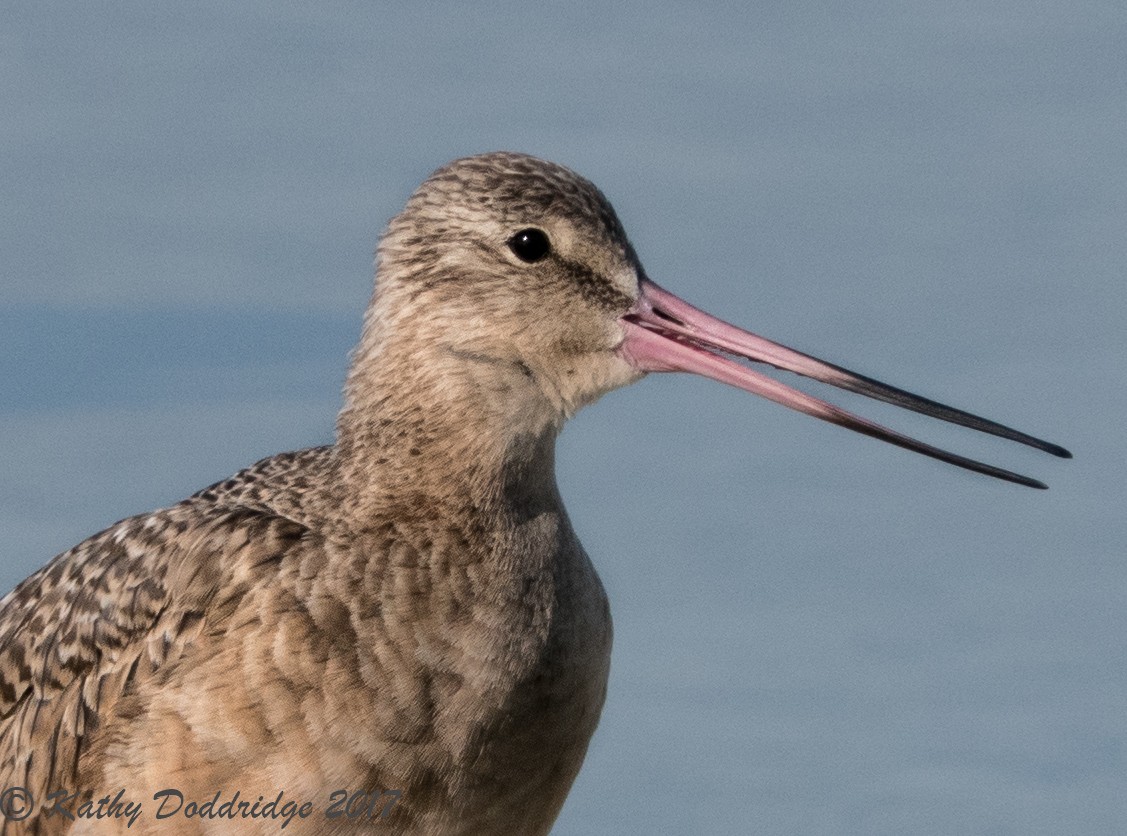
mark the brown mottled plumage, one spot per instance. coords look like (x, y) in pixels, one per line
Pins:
(408, 609)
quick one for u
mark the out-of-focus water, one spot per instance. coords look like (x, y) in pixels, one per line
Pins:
(815, 633)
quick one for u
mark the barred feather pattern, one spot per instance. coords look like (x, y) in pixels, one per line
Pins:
(230, 642)
(87, 629)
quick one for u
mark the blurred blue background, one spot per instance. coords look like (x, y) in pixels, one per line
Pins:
(815, 633)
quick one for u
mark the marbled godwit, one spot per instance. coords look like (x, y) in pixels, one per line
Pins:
(408, 609)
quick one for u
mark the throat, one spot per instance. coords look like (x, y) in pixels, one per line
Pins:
(460, 434)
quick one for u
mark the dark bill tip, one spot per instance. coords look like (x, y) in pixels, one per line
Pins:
(665, 333)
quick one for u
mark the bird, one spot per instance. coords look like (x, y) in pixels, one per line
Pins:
(402, 626)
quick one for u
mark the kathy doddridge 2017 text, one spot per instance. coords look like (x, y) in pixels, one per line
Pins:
(18, 804)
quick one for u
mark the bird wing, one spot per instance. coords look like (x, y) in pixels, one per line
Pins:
(82, 631)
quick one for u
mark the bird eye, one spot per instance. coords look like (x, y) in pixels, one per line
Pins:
(530, 244)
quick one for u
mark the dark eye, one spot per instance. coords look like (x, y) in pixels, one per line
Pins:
(530, 244)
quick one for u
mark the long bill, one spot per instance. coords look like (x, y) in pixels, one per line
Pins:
(666, 334)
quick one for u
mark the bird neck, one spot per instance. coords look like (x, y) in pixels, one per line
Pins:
(431, 431)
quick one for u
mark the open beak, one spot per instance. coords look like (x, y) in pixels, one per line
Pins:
(666, 334)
